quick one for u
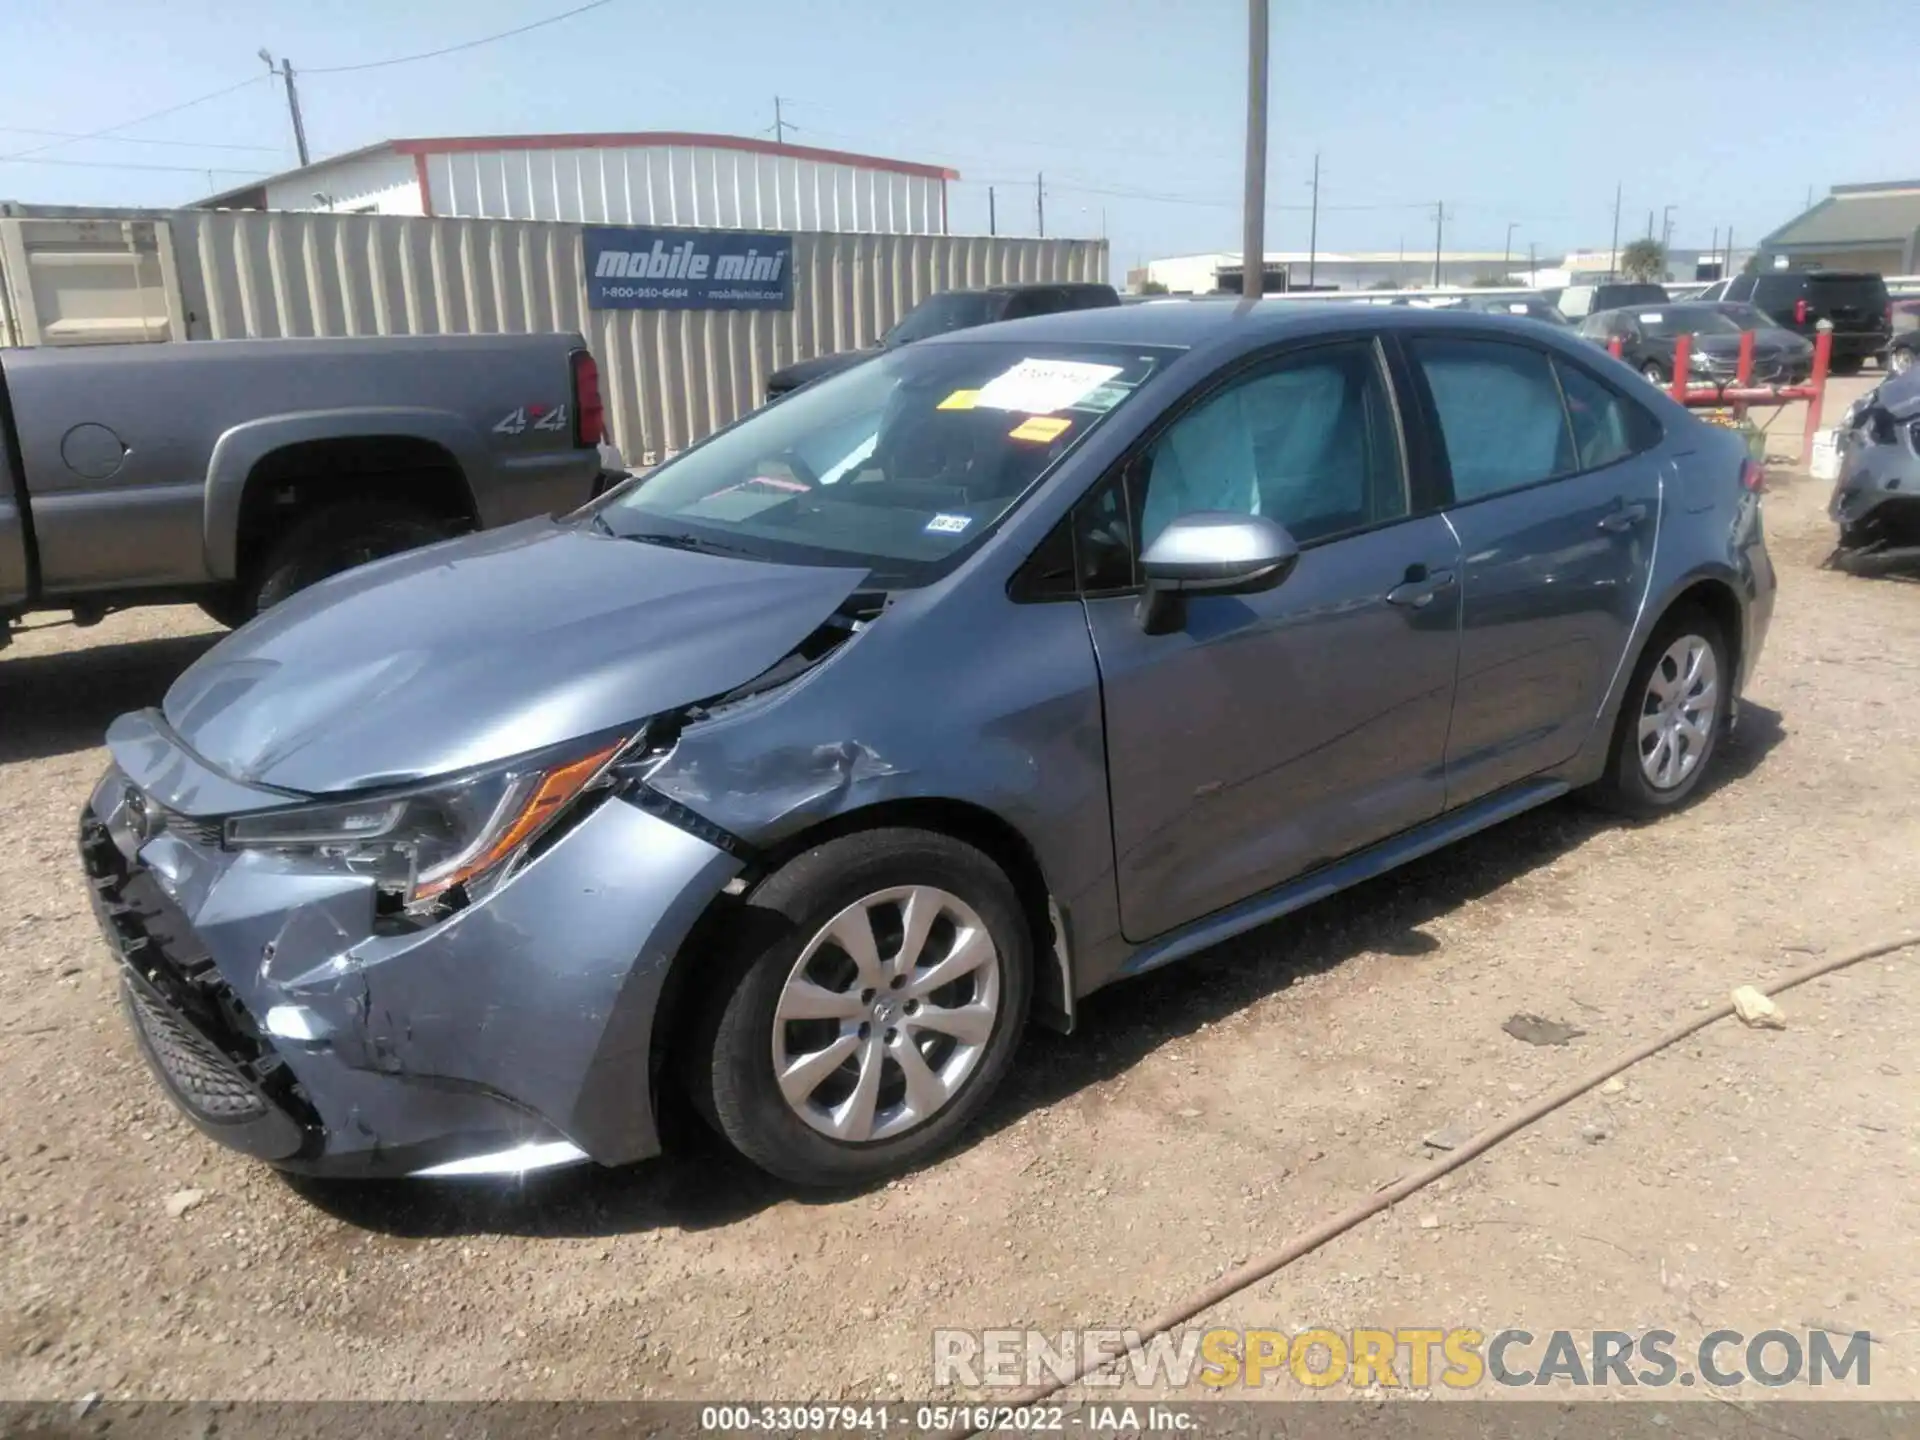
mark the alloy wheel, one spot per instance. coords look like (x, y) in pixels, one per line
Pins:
(1678, 711)
(886, 1013)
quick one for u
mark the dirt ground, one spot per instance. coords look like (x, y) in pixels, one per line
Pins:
(1747, 1179)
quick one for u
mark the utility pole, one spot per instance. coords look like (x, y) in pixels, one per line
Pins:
(1040, 201)
(285, 72)
(992, 228)
(1439, 217)
(1506, 255)
(1666, 227)
(1649, 224)
(1253, 239)
(1713, 255)
(1313, 226)
(779, 124)
(1613, 255)
(1532, 278)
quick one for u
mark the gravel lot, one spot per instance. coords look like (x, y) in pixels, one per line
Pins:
(1746, 1179)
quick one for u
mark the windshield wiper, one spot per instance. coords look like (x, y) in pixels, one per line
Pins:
(685, 541)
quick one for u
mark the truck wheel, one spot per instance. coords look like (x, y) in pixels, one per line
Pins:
(336, 538)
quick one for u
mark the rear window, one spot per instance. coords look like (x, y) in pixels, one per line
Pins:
(1859, 292)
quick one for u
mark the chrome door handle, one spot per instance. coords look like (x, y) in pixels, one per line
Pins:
(1417, 594)
(1624, 518)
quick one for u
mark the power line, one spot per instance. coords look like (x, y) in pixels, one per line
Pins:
(139, 140)
(128, 165)
(137, 120)
(463, 45)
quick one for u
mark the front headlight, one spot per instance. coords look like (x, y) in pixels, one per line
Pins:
(420, 843)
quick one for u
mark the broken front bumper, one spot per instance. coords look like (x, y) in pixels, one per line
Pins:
(285, 1024)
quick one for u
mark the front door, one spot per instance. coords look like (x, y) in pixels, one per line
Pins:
(1556, 501)
(1277, 731)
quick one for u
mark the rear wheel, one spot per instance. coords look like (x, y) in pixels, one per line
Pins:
(1849, 365)
(1671, 720)
(334, 538)
(1900, 360)
(876, 993)
(1654, 373)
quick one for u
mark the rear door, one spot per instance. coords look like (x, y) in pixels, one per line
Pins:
(1274, 732)
(1856, 304)
(1555, 496)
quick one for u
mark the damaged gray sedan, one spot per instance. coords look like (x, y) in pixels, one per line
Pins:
(800, 774)
(1876, 502)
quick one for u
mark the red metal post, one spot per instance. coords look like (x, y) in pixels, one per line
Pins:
(1822, 354)
(1682, 362)
(1744, 374)
(1616, 347)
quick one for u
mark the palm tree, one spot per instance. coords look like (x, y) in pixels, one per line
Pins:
(1644, 260)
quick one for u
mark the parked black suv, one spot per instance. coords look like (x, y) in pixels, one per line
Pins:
(951, 310)
(1854, 300)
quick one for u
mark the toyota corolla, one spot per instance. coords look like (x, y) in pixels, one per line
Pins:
(803, 772)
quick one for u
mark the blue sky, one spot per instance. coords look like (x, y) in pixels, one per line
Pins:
(1509, 111)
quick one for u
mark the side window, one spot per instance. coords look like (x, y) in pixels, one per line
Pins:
(1103, 538)
(1034, 302)
(1500, 414)
(1741, 288)
(1603, 427)
(1309, 441)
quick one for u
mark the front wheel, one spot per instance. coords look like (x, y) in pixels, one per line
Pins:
(1654, 374)
(1900, 360)
(1671, 720)
(1851, 365)
(878, 987)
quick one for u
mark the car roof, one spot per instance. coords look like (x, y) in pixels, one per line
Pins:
(1204, 322)
(1023, 288)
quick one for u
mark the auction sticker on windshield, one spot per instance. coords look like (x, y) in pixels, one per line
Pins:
(1039, 387)
(1043, 428)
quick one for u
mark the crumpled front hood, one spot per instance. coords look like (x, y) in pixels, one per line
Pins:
(1900, 396)
(484, 648)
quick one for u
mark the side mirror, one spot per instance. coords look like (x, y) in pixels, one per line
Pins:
(1214, 552)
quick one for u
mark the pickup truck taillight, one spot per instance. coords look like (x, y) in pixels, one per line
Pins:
(1800, 311)
(589, 414)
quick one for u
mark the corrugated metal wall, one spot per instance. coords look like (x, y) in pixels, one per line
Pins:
(684, 185)
(670, 377)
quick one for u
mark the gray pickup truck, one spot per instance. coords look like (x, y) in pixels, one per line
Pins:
(235, 472)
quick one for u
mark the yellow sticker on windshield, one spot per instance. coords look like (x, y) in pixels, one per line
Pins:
(959, 400)
(1041, 428)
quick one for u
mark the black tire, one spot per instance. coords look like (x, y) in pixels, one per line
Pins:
(1654, 373)
(227, 607)
(1626, 788)
(728, 1062)
(1850, 365)
(334, 538)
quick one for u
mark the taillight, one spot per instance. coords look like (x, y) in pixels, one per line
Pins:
(1800, 311)
(589, 414)
(1753, 479)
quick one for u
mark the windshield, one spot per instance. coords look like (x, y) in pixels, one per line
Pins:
(1530, 309)
(1749, 317)
(896, 465)
(937, 314)
(1675, 321)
